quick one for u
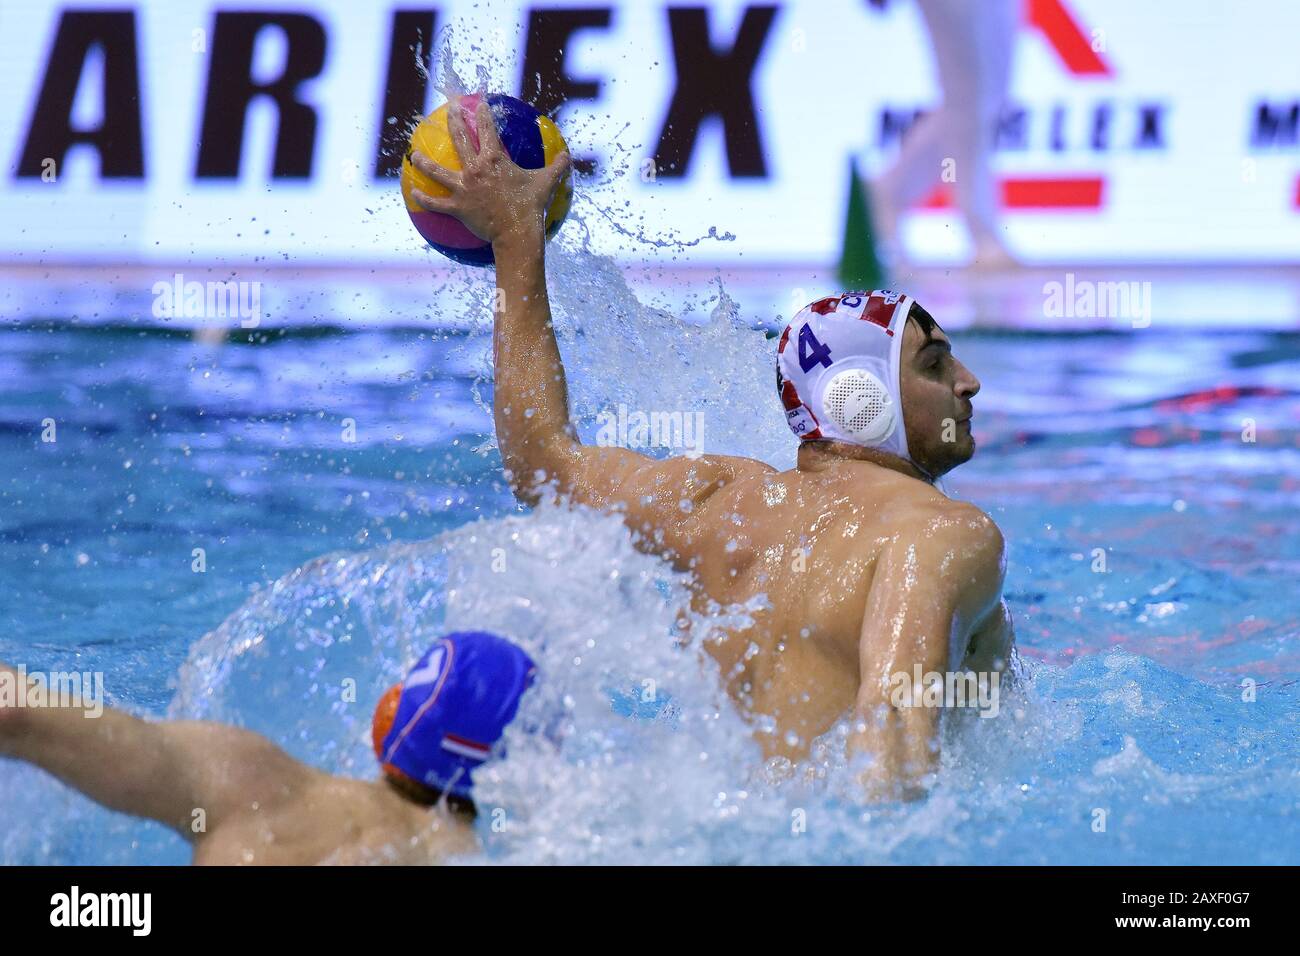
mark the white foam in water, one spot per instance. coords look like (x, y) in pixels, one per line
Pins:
(626, 750)
(620, 352)
(637, 744)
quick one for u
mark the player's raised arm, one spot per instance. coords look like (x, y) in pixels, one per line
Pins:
(501, 202)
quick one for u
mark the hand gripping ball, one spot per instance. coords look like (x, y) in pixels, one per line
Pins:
(531, 139)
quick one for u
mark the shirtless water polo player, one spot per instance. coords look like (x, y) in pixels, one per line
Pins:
(239, 799)
(868, 569)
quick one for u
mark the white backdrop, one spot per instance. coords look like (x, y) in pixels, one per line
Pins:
(1208, 190)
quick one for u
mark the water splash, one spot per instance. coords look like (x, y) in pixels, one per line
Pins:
(643, 760)
(676, 777)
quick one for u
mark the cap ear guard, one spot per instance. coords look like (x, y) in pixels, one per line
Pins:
(860, 406)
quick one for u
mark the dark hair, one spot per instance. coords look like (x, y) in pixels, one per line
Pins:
(924, 320)
(429, 796)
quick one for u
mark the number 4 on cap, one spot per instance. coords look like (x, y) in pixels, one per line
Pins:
(812, 352)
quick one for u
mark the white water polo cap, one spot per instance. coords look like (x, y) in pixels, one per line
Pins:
(837, 368)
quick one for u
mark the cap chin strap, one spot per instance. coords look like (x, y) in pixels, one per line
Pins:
(446, 791)
(899, 323)
(929, 478)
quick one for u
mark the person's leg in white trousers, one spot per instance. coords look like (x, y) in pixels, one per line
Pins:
(972, 41)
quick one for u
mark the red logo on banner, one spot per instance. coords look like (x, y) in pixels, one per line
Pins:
(1065, 36)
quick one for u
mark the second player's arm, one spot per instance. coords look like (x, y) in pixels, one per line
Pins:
(164, 771)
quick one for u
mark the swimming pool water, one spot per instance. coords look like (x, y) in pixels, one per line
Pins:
(1131, 451)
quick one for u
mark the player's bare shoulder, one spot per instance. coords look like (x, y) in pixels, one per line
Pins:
(934, 522)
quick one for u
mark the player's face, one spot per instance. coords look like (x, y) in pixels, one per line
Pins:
(937, 391)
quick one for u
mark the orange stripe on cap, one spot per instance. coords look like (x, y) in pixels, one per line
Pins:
(385, 714)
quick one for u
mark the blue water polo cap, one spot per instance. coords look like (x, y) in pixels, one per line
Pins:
(452, 709)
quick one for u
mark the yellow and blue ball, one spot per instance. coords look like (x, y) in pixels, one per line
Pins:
(531, 138)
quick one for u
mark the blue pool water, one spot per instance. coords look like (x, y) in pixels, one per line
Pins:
(329, 559)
